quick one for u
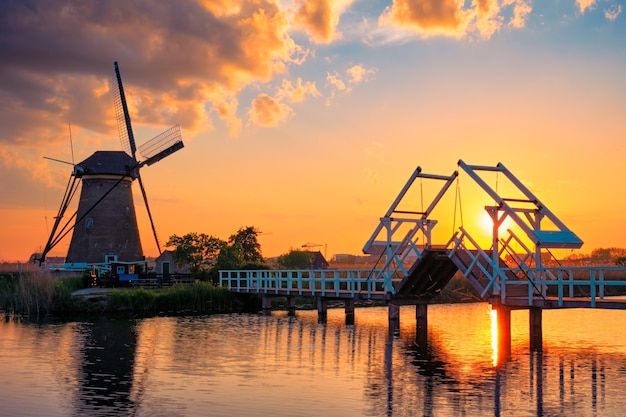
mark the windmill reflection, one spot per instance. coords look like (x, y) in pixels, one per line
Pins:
(106, 369)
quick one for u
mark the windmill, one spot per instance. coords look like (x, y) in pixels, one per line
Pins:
(105, 223)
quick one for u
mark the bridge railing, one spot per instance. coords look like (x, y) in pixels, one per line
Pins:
(352, 283)
(462, 242)
(590, 283)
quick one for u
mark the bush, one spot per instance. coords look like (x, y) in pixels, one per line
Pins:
(201, 297)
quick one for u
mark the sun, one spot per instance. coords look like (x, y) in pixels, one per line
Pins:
(486, 223)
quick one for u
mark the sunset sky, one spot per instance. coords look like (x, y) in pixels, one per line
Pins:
(305, 118)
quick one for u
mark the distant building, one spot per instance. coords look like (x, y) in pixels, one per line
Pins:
(165, 264)
(318, 261)
(345, 258)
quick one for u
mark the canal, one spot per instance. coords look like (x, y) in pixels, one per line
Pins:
(253, 365)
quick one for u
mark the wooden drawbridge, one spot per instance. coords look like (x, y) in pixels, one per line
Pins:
(515, 270)
(512, 271)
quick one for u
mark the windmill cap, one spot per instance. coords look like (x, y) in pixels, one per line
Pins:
(110, 163)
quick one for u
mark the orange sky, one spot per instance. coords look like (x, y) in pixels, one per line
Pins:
(304, 119)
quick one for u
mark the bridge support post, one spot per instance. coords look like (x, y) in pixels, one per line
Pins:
(322, 309)
(421, 325)
(503, 323)
(349, 306)
(291, 305)
(266, 305)
(536, 332)
(394, 313)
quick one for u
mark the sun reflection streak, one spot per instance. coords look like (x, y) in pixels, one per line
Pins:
(494, 336)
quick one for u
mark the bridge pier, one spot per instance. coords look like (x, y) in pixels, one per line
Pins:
(536, 332)
(349, 309)
(394, 313)
(291, 305)
(421, 324)
(322, 309)
(266, 305)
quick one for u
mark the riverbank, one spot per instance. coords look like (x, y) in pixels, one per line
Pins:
(37, 294)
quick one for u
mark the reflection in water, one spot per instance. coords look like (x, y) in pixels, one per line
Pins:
(106, 368)
(494, 337)
(234, 365)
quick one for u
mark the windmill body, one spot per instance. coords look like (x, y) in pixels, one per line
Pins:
(106, 226)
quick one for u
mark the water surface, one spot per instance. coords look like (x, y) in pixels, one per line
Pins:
(251, 365)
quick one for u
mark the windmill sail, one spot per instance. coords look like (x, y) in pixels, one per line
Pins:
(124, 127)
(161, 146)
(156, 149)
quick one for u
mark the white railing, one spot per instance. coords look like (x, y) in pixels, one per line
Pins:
(458, 243)
(325, 282)
(575, 283)
(582, 283)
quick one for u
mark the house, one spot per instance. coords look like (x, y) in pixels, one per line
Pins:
(166, 265)
(318, 261)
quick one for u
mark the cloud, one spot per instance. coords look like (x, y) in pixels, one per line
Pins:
(428, 17)
(585, 4)
(319, 18)
(226, 108)
(372, 175)
(267, 111)
(521, 10)
(335, 81)
(356, 74)
(613, 11)
(25, 170)
(174, 58)
(451, 18)
(298, 92)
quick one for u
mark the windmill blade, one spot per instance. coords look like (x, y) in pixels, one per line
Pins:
(161, 146)
(124, 127)
(153, 151)
(145, 200)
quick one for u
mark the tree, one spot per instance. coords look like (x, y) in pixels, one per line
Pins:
(232, 257)
(250, 246)
(296, 259)
(206, 254)
(606, 255)
(198, 250)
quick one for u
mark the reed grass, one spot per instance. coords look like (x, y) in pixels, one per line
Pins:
(37, 293)
(26, 293)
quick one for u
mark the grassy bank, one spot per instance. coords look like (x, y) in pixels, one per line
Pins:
(197, 298)
(39, 294)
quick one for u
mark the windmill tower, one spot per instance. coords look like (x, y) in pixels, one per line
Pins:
(105, 223)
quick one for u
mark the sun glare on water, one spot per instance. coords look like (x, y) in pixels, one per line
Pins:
(494, 336)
